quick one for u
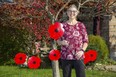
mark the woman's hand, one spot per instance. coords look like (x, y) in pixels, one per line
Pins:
(59, 42)
(79, 54)
(63, 42)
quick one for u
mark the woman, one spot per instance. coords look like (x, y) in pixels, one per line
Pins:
(73, 44)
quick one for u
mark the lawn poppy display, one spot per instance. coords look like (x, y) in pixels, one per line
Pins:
(20, 58)
(34, 62)
(93, 55)
(56, 30)
(54, 54)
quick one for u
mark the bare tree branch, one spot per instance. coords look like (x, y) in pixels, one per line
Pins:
(49, 13)
(79, 1)
(81, 4)
(86, 2)
(95, 6)
(56, 17)
(112, 3)
(46, 7)
(97, 3)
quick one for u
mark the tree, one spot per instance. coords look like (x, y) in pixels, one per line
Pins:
(33, 17)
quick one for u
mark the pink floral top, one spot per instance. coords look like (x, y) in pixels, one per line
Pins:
(76, 35)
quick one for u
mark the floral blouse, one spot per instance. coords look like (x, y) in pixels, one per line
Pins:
(76, 35)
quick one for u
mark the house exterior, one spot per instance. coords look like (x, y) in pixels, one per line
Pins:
(112, 37)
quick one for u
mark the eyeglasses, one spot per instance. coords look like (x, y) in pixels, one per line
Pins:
(73, 11)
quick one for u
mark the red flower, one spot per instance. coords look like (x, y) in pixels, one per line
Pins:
(56, 30)
(93, 55)
(90, 55)
(34, 62)
(20, 58)
(54, 54)
(87, 58)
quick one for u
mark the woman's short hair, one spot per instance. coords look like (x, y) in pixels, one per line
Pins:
(73, 3)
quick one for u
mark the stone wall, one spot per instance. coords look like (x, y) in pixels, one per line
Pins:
(112, 37)
(108, 32)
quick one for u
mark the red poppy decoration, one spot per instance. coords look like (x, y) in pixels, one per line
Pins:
(56, 30)
(90, 56)
(93, 55)
(34, 62)
(87, 58)
(20, 58)
(54, 54)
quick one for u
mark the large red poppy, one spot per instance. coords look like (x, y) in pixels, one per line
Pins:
(54, 54)
(56, 30)
(87, 58)
(20, 58)
(93, 55)
(34, 62)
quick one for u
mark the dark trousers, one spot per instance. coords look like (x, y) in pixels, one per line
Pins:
(78, 66)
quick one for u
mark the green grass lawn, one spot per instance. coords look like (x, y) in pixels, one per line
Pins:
(15, 71)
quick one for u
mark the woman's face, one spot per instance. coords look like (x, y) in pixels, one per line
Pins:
(72, 12)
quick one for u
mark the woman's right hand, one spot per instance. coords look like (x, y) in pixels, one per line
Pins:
(63, 42)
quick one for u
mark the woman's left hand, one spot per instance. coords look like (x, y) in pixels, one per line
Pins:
(79, 54)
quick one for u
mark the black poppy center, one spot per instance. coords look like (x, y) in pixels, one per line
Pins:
(91, 55)
(34, 62)
(55, 55)
(20, 58)
(56, 30)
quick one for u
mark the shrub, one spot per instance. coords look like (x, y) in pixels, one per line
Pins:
(98, 43)
(11, 42)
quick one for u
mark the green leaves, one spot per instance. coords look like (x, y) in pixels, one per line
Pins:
(98, 43)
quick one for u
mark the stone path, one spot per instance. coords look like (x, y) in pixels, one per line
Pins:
(111, 67)
(103, 67)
